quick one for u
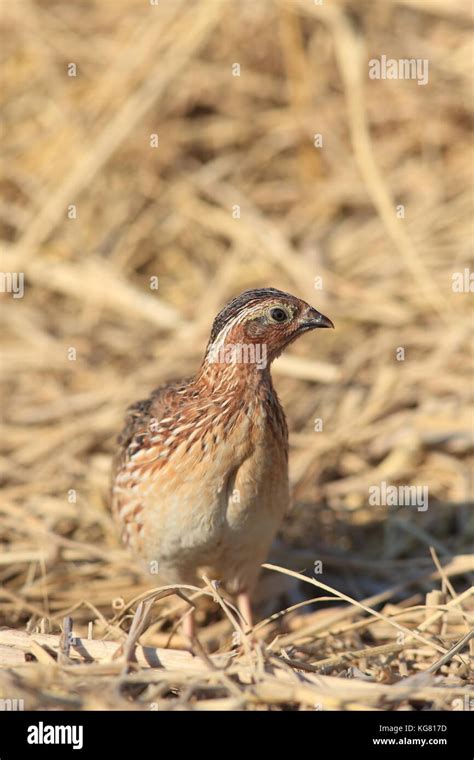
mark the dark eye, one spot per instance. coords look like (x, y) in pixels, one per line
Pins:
(279, 315)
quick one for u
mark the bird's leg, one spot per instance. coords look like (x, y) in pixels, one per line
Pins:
(188, 621)
(245, 608)
(189, 626)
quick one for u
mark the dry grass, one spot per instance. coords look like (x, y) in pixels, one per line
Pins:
(395, 634)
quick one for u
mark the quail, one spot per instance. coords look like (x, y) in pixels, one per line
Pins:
(200, 480)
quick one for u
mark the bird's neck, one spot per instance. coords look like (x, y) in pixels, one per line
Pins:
(236, 374)
(241, 385)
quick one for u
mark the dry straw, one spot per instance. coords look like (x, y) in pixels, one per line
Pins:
(387, 623)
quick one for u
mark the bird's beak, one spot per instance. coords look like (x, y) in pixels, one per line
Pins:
(312, 319)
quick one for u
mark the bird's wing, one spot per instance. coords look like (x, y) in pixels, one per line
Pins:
(139, 421)
(138, 450)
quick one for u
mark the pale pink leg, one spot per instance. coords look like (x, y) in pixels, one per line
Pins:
(189, 626)
(245, 608)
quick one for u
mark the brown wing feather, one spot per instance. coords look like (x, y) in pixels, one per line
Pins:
(159, 404)
(136, 435)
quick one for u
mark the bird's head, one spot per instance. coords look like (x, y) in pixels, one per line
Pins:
(258, 324)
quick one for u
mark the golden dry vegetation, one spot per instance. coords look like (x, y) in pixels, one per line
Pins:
(370, 226)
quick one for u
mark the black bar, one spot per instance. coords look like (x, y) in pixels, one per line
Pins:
(144, 733)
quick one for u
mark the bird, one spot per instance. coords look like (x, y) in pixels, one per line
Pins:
(200, 477)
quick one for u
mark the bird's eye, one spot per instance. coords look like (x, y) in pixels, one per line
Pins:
(278, 315)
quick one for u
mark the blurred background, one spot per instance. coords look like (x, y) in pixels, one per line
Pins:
(158, 160)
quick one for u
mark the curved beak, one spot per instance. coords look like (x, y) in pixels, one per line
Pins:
(313, 318)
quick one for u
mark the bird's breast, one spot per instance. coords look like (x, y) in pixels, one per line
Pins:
(231, 483)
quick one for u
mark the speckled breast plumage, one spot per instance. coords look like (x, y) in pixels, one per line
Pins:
(201, 481)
